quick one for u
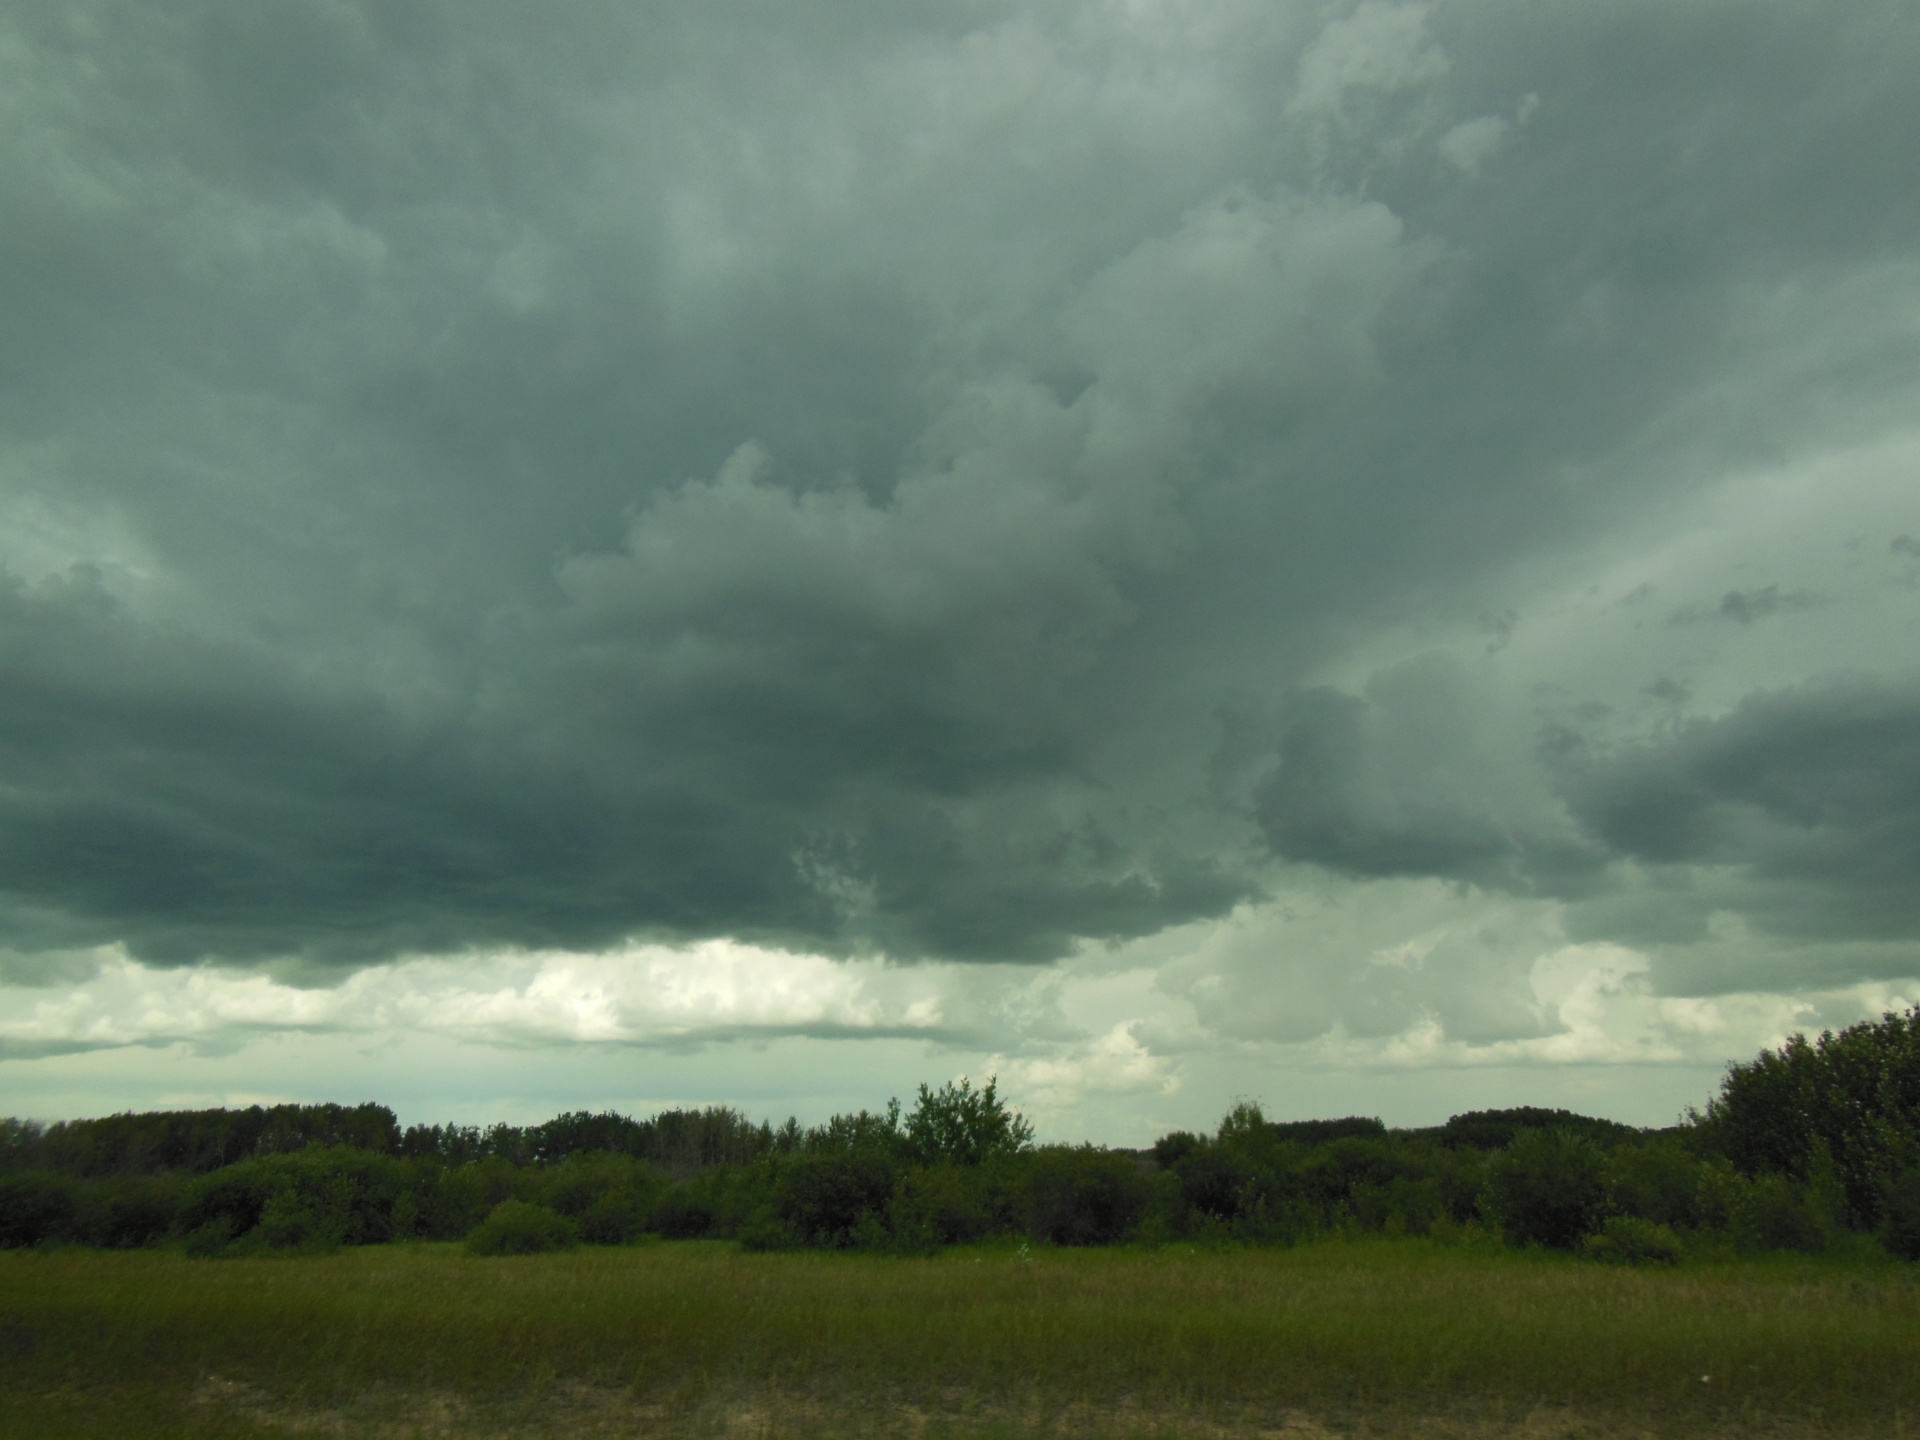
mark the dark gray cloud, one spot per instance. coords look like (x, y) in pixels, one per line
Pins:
(832, 477)
(1810, 796)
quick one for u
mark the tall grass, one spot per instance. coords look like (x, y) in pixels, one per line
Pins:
(679, 1332)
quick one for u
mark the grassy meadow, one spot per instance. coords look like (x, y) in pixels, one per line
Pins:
(1368, 1336)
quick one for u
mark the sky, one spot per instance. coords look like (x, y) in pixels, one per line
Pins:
(1359, 556)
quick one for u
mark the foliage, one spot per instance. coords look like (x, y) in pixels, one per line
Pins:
(1498, 1129)
(609, 1197)
(192, 1141)
(1084, 1196)
(1851, 1101)
(1322, 1132)
(320, 1198)
(36, 1209)
(1626, 1240)
(958, 1125)
(961, 1167)
(1660, 1181)
(945, 1205)
(517, 1228)
(1776, 1214)
(1900, 1210)
(839, 1201)
(1548, 1188)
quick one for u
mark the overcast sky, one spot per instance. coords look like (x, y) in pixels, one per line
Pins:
(1362, 556)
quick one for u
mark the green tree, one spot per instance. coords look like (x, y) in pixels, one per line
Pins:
(1850, 1101)
(958, 1125)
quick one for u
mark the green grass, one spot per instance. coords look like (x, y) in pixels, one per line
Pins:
(1378, 1337)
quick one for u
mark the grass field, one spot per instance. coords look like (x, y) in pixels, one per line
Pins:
(1375, 1337)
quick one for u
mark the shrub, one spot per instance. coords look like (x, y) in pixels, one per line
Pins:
(944, 1205)
(1900, 1230)
(1548, 1188)
(461, 1197)
(129, 1214)
(211, 1239)
(685, 1212)
(1627, 1240)
(1659, 1182)
(836, 1200)
(1084, 1196)
(518, 1228)
(321, 1196)
(405, 1221)
(290, 1223)
(36, 1209)
(610, 1197)
(616, 1216)
(1775, 1214)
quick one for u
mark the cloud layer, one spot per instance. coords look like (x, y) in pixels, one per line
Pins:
(967, 482)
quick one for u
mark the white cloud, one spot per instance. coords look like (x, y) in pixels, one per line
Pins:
(1115, 1063)
(1379, 47)
(639, 994)
(1469, 145)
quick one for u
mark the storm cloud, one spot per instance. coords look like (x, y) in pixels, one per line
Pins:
(966, 482)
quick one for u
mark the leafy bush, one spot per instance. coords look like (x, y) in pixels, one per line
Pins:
(1660, 1182)
(1776, 1214)
(129, 1214)
(610, 1197)
(1627, 1240)
(1900, 1230)
(291, 1221)
(1084, 1196)
(317, 1198)
(36, 1209)
(517, 1228)
(1548, 1188)
(838, 1201)
(459, 1198)
(944, 1205)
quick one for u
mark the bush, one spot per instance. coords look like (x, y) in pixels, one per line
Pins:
(841, 1201)
(1659, 1182)
(941, 1206)
(616, 1217)
(685, 1212)
(610, 1197)
(1775, 1214)
(517, 1228)
(36, 1210)
(1084, 1196)
(129, 1214)
(1548, 1188)
(318, 1197)
(460, 1197)
(1627, 1240)
(1900, 1230)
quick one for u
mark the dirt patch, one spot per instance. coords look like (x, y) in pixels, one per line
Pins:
(573, 1409)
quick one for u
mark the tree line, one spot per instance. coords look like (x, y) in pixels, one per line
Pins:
(1812, 1145)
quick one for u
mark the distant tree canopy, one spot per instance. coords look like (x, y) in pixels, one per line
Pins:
(1497, 1129)
(1802, 1144)
(192, 1141)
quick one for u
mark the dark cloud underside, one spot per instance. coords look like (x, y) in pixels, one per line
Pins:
(930, 478)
